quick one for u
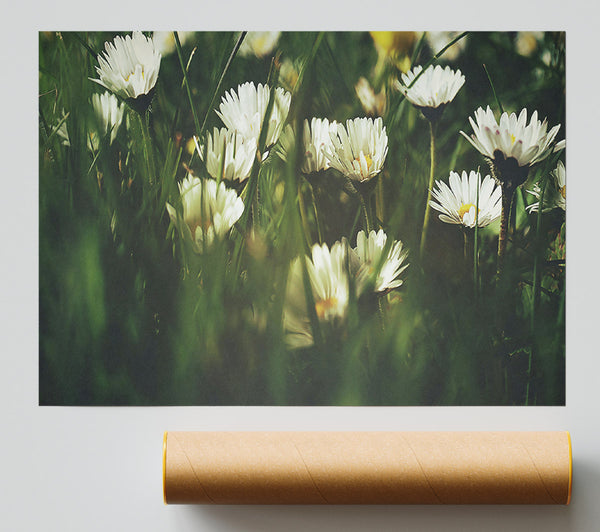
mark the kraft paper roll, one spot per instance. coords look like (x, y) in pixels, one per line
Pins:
(367, 467)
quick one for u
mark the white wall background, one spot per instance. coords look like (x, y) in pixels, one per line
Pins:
(99, 469)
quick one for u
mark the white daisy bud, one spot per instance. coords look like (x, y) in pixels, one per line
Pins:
(358, 150)
(209, 211)
(245, 110)
(369, 250)
(329, 284)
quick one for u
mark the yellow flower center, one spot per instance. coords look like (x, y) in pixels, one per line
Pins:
(464, 209)
(512, 139)
(132, 73)
(563, 191)
(324, 305)
(369, 160)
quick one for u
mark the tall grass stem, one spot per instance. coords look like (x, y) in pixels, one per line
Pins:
(535, 297)
(186, 82)
(236, 47)
(432, 128)
(493, 89)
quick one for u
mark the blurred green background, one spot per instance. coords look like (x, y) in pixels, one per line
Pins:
(129, 316)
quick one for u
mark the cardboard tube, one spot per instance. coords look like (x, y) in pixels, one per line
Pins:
(367, 467)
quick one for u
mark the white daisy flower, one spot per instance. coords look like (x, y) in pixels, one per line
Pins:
(108, 113)
(369, 250)
(164, 41)
(129, 67)
(259, 43)
(329, 283)
(316, 138)
(394, 43)
(527, 42)
(458, 202)
(373, 104)
(238, 151)
(358, 150)
(555, 195)
(512, 145)
(245, 110)
(435, 88)
(209, 211)
(289, 73)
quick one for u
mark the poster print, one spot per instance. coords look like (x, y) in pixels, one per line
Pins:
(334, 218)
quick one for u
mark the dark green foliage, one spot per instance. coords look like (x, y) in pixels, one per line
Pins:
(130, 315)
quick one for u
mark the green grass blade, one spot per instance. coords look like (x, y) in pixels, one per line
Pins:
(187, 84)
(236, 47)
(498, 103)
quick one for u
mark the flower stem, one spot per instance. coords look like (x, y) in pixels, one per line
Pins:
(379, 201)
(381, 313)
(316, 214)
(507, 195)
(476, 245)
(303, 217)
(467, 246)
(364, 203)
(535, 297)
(256, 213)
(147, 147)
(429, 187)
